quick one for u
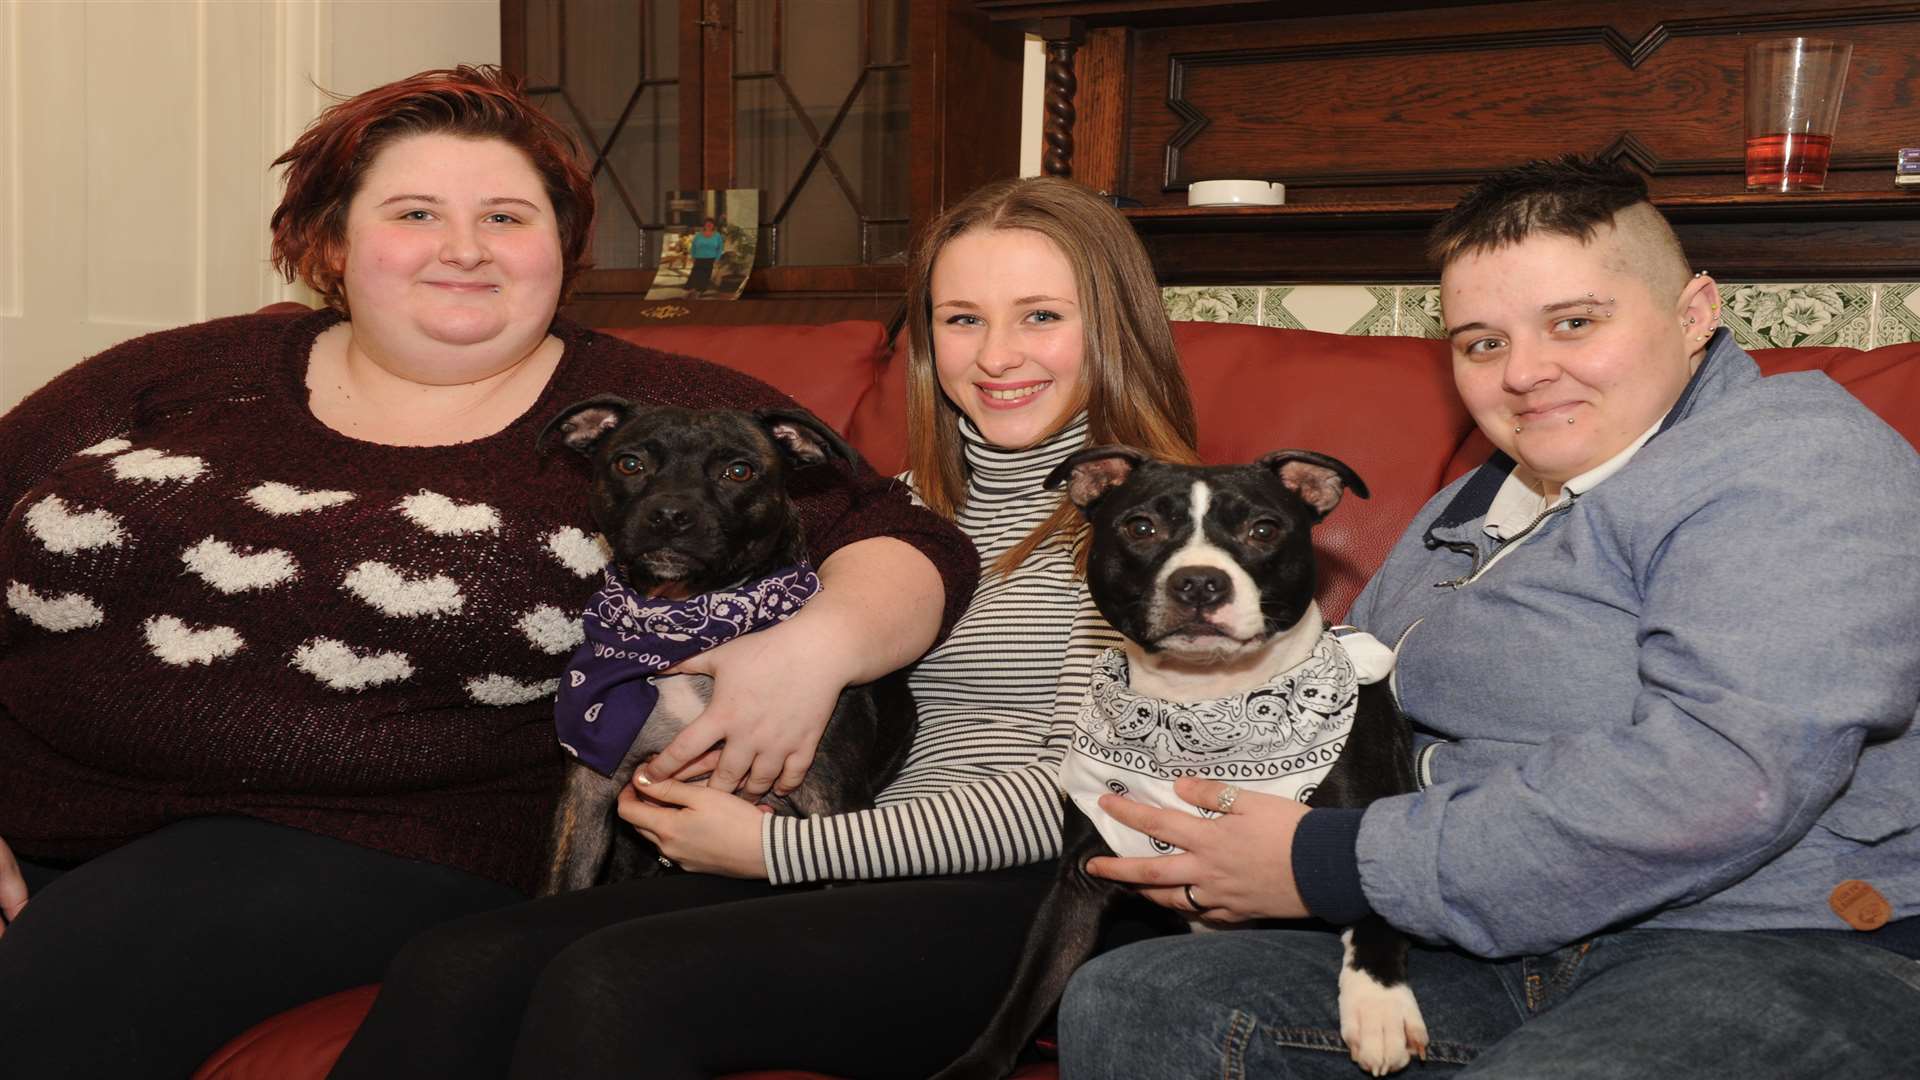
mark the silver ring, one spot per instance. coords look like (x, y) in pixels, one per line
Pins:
(664, 861)
(1225, 800)
(1191, 902)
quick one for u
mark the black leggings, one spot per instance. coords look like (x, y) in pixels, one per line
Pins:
(144, 961)
(688, 975)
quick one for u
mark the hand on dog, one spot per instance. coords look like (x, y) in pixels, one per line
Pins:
(13, 887)
(1240, 864)
(773, 694)
(704, 830)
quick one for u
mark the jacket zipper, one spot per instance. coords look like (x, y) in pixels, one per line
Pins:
(1481, 566)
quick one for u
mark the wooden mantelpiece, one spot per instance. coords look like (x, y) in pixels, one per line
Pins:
(1378, 113)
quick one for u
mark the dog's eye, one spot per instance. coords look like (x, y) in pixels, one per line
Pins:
(629, 465)
(1140, 528)
(1261, 532)
(739, 472)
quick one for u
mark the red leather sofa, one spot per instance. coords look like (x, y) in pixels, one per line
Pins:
(1384, 405)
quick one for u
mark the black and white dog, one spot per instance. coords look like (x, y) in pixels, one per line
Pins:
(692, 502)
(1228, 673)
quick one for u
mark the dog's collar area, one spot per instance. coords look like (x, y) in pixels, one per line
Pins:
(1279, 738)
(607, 691)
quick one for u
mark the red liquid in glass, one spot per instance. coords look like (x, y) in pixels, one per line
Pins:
(1788, 162)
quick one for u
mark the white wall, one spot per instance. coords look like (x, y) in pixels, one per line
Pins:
(135, 139)
(1033, 88)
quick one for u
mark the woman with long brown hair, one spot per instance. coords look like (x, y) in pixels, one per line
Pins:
(1036, 326)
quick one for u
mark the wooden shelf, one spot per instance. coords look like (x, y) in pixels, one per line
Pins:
(1743, 206)
(1816, 236)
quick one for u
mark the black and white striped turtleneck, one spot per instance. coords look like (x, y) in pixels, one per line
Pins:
(997, 703)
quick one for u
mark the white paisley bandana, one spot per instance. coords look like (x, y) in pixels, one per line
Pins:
(1280, 738)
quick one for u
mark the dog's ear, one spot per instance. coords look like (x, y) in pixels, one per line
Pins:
(1316, 478)
(805, 439)
(1093, 472)
(584, 423)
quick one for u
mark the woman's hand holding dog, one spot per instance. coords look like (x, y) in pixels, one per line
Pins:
(773, 693)
(1234, 867)
(13, 887)
(878, 609)
(704, 830)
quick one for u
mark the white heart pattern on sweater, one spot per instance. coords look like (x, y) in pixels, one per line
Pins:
(442, 516)
(281, 500)
(106, 447)
(68, 611)
(228, 570)
(394, 593)
(156, 465)
(505, 690)
(584, 555)
(340, 666)
(179, 644)
(65, 531)
(552, 630)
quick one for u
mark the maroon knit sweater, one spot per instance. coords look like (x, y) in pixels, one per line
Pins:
(217, 605)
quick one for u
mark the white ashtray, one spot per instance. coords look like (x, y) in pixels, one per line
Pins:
(1236, 193)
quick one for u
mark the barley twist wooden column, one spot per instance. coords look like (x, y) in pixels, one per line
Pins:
(1063, 38)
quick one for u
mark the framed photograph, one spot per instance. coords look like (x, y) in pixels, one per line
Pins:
(708, 248)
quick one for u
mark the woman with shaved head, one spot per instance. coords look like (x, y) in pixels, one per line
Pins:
(1659, 654)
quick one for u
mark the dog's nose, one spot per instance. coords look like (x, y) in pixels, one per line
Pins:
(1200, 587)
(669, 519)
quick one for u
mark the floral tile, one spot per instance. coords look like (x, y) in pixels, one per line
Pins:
(1420, 312)
(1333, 309)
(1212, 303)
(1273, 309)
(1899, 315)
(1779, 316)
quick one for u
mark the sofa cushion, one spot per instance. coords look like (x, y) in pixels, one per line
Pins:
(826, 368)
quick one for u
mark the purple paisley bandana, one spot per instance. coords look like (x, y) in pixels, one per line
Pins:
(607, 692)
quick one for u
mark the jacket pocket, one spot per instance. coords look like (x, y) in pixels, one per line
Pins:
(1868, 817)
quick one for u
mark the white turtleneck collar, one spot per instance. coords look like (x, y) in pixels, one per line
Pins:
(995, 468)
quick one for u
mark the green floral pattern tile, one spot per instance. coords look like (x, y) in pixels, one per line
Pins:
(1782, 316)
(1420, 312)
(1333, 309)
(1853, 314)
(1899, 315)
(1212, 303)
(1273, 309)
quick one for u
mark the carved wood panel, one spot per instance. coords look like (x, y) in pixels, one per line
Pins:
(1389, 107)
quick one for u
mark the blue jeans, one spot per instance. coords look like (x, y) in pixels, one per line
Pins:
(1631, 1005)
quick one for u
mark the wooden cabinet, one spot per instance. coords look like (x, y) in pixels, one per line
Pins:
(856, 120)
(1376, 114)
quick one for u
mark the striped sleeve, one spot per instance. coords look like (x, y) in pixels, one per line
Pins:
(1007, 818)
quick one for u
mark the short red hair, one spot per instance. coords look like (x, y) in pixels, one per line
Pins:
(325, 165)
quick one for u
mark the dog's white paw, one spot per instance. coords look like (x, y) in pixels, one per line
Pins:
(1382, 1025)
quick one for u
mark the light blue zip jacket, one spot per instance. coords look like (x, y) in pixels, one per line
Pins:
(1687, 700)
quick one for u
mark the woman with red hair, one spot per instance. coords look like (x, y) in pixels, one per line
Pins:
(285, 597)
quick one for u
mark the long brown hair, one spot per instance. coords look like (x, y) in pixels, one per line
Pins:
(1133, 390)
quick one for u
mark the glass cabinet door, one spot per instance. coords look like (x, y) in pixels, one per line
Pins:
(820, 127)
(609, 71)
